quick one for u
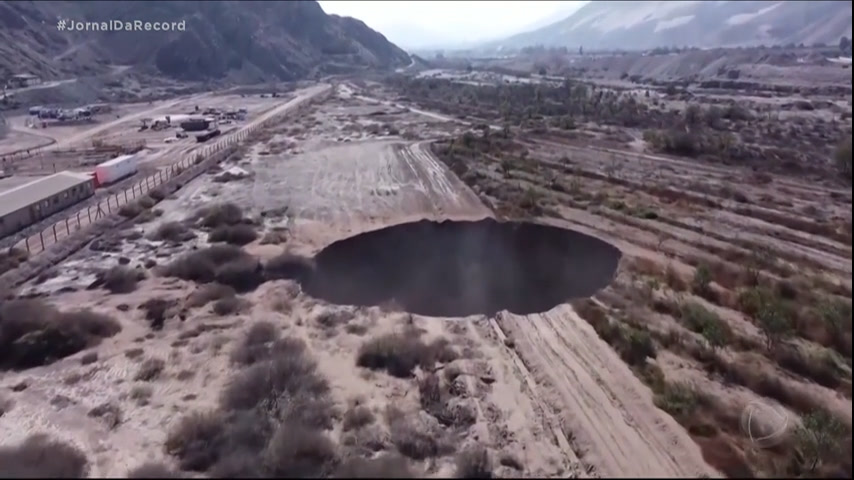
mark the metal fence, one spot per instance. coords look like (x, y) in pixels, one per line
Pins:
(10, 158)
(39, 242)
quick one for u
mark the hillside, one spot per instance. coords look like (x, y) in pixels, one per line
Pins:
(246, 40)
(649, 24)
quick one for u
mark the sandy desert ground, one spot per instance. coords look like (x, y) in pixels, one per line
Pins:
(215, 360)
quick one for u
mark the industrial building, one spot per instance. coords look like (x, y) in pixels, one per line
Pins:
(29, 203)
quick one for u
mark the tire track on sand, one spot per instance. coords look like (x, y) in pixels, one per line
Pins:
(604, 408)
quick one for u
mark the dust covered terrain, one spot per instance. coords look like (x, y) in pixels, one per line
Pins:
(427, 277)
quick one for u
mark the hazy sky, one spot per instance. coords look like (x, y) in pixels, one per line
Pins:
(427, 23)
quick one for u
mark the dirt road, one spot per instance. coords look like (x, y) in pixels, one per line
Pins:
(601, 405)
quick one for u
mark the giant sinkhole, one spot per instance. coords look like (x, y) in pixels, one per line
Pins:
(454, 269)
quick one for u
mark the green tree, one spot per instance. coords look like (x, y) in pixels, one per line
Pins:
(774, 320)
(837, 315)
(702, 280)
(843, 159)
(820, 437)
(693, 115)
(639, 348)
(715, 334)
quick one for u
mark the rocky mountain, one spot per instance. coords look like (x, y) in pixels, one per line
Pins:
(633, 25)
(282, 40)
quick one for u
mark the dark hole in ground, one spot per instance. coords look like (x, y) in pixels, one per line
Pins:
(463, 268)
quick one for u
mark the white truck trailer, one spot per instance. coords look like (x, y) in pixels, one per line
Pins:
(116, 169)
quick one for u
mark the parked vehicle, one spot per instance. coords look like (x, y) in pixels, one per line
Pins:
(116, 169)
(204, 137)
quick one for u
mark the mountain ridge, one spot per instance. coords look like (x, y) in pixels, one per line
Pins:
(244, 39)
(650, 24)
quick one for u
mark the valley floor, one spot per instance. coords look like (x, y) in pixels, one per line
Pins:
(544, 393)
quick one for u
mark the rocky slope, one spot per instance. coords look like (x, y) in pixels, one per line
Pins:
(249, 40)
(649, 24)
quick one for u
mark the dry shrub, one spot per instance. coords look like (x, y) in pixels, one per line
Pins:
(175, 232)
(121, 279)
(141, 393)
(400, 353)
(721, 454)
(42, 457)
(431, 394)
(752, 377)
(150, 370)
(11, 259)
(384, 466)
(474, 462)
(679, 399)
(148, 215)
(330, 320)
(239, 463)
(89, 358)
(219, 215)
(234, 234)
(6, 404)
(673, 279)
(229, 305)
(286, 385)
(109, 413)
(418, 436)
(262, 342)
(157, 195)
(130, 210)
(357, 417)
(275, 237)
(246, 435)
(229, 445)
(197, 440)
(255, 345)
(227, 264)
(228, 176)
(146, 203)
(366, 441)
(510, 460)
(633, 344)
(842, 158)
(271, 416)
(205, 294)
(33, 333)
(134, 353)
(155, 311)
(356, 329)
(289, 266)
(153, 470)
(438, 400)
(821, 369)
(298, 452)
(243, 274)
(588, 310)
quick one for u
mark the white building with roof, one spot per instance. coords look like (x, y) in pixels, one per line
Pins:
(27, 204)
